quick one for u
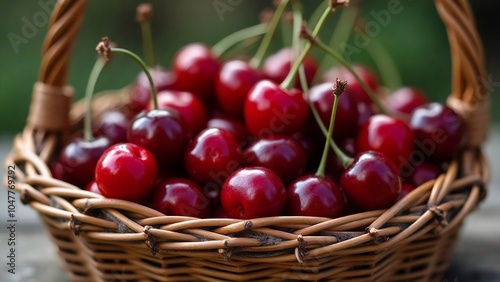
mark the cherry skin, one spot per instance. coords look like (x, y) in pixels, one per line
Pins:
(353, 86)
(406, 99)
(234, 81)
(114, 126)
(126, 172)
(424, 172)
(387, 135)
(141, 91)
(231, 125)
(162, 133)
(271, 110)
(253, 192)
(212, 156)
(371, 182)
(406, 188)
(347, 110)
(281, 154)
(190, 108)
(438, 131)
(180, 197)
(195, 70)
(277, 66)
(334, 166)
(78, 159)
(314, 196)
(92, 187)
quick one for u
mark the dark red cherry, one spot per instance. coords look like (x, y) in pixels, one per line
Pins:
(126, 171)
(277, 66)
(92, 187)
(77, 161)
(180, 197)
(253, 192)
(271, 110)
(388, 135)
(195, 70)
(281, 154)
(231, 125)
(141, 91)
(190, 108)
(406, 188)
(334, 166)
(354, 87)
(438, 131)
(371, 182)
(162, 133)
(424, 172)
(314, 196)
(233, 83)
(212, 156)
(114, 126)
(347, 111)
(406, 99)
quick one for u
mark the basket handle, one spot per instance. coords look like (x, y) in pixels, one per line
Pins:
(52, 98)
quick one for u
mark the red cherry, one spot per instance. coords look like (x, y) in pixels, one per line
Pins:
(92, 187)
(347, 112)
(334, 166)
(162, 133)
(253, 192)
(406, 188)
(231, 125)
(127, 172)
(406, 99)
(234, 81)
(141, 91)
(212, 156)
(314, 196)
(281, 154)
(438, 131)
(277, 66)
(271, 110)
(424, 172)
(195, 70)
(354, 86)
(180, 197)
(371, 182)
(114, 126)
(388, 135)
(190, 108)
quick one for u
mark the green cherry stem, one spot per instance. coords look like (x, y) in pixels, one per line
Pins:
(143, 16)
(89, 92)
(229, 41)
(258, 58)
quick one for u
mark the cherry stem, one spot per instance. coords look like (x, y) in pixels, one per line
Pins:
(89, 92)
(385, 64)
(144, 13)
(229, 41)
(289, 80)
(258, 58)
(338, 89)
(297, 22)
(144, 68)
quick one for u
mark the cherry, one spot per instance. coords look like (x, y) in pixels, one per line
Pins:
(282, 154)
(354, 86)
(127, 172)
(195, 70)
(387, 135)
(269, 110)
(277, 66)
(190, 108)
(212, 156)
(334, 166)
(141, 90)
(347, 113)
(406, 99)
(233, 83)
(231, 125)
(424, 172)
(114, 126)
(180, 197)
(161, 132)
(406, 188)
(253, 192)
(438, 131)
(92, 187)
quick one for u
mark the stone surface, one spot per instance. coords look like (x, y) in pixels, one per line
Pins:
(476, 258)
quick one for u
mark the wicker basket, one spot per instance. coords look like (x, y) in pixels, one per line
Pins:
(110, 240)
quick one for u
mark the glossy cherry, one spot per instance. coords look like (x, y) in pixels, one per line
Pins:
(406, 99)
(127, 172)
(282, 154)
(212, 156)
(277, 66)
(371, 181)
(424, 172)
(334, 166)
(231, 125)
(438, 131)
(141, 90)
(180, 197)
(406, 188)
(162, 133)
(114, 126)
(354, 86)
(92, 187)
(253, 192)
(195, 70)
(388, 135)
(191, 109)
(233, 83)
(270, 110)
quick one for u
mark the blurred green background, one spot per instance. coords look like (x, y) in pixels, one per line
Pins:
(415, 38)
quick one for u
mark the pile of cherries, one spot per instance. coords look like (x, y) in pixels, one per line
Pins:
(225, 139)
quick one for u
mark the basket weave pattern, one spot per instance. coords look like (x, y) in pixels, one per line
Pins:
(102, 239)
